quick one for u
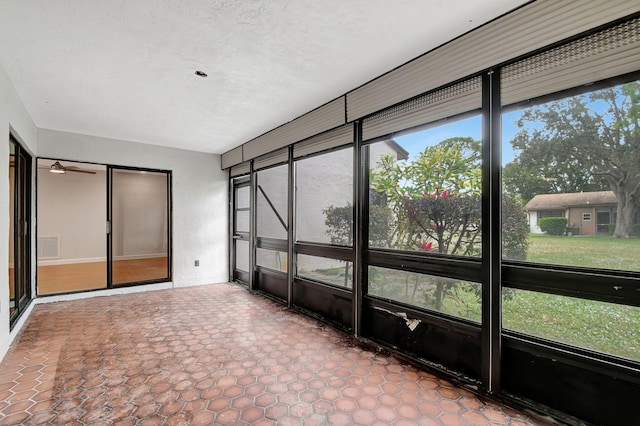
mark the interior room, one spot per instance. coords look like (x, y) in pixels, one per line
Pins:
(276, 212)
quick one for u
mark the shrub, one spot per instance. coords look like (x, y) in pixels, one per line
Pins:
(553, 225)
(515, 229)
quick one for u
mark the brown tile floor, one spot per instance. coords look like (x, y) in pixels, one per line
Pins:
(215, 355)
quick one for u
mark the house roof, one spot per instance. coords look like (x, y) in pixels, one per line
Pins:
(402, 153)
(562, 201)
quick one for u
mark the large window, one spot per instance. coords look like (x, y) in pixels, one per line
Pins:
(446, 295)
(570, 179)
(600, 326)
(272, 219)
(424, 191)
(272, 203)
(324, 198)
(324, 216)
(567, 162)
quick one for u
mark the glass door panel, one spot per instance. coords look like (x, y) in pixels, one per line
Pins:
(72, 214)
(12, 260)
(241, 229)
(139, 226)
(19, 235)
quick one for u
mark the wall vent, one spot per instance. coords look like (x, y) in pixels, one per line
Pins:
(49, 247)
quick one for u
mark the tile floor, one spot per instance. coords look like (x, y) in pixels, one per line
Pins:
(215, 355)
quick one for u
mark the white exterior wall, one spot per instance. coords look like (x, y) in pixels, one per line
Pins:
(533, 223)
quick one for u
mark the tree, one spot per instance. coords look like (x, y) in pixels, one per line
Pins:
(521, 178)
(436, 203)
(435, 197)
(515, 229)
(596, 135)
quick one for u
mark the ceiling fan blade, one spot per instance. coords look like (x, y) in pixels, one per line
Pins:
(77, 170)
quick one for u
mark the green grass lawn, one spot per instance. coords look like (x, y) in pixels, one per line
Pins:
(590, 251)
(604, 327)
(599, 326)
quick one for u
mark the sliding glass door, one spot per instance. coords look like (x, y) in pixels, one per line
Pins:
(139, 226)
(101, 226)
(72, 239)
(19, 236)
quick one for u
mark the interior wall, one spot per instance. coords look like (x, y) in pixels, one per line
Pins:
(73, 207)
(200, 196)
(13, 118)
(139, 214)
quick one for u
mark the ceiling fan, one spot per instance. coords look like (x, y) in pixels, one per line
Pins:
(59, 168)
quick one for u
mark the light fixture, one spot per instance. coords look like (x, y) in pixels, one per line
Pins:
(57, 168)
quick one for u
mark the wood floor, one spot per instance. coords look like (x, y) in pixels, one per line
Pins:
(89, 276)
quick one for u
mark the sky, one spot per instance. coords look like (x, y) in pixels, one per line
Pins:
(415, 142)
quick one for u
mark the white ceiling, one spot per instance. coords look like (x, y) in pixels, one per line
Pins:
(126, 69)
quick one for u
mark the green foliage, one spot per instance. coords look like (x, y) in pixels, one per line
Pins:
(434, 198)
(515, 229)
(583, 143)
(524, 182)
(553, 225)
(339, 222)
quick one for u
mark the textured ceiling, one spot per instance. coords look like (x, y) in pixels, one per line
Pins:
(125, 69)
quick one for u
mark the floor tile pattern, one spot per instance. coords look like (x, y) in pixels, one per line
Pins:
(215, 355)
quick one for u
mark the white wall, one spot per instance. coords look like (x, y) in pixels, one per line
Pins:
(73, 207)
(200, 194)
(13, 117)
(139, 214)
(200, 206)
(533, 223)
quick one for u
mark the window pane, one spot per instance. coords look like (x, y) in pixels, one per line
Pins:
(276, 260)
(271, 209)
(324, 198)
(425, 187)
(446, 295)
(570, 170)
(242, 221)
(242, 197)
(600, 326)
(72, 239)
(331, 271)
(12, 188)
(140, 226)
(242, 255)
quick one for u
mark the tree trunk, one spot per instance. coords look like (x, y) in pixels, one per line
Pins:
(625, 214)
(438, 295)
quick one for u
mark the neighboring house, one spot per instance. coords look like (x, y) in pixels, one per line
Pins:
(587, 213)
